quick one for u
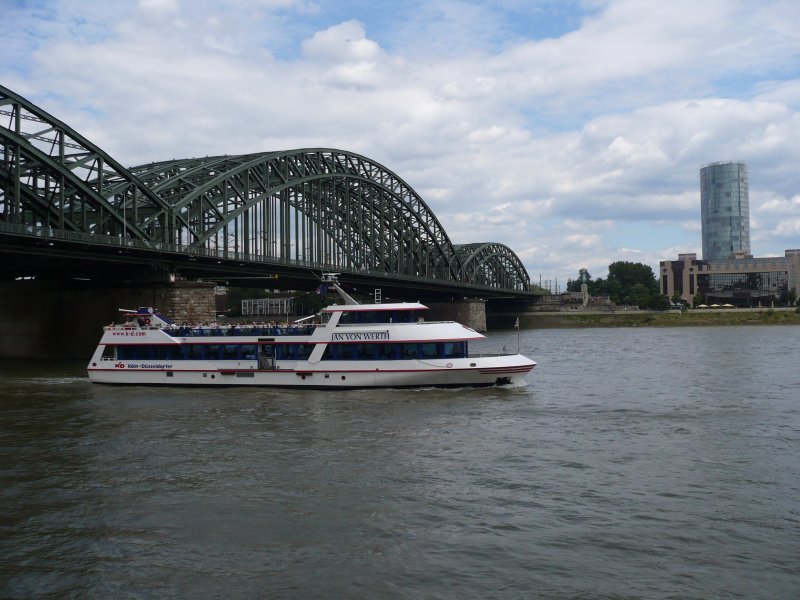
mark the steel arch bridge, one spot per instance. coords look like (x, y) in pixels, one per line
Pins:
(320, 207)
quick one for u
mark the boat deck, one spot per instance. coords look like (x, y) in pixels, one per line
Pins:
(247, 330)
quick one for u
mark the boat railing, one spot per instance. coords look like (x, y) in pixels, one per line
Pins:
(249, 330)
(340, 324)
(490, 354)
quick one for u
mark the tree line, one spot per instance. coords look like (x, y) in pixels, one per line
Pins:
(628, 283)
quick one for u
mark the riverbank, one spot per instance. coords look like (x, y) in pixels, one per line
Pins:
(690, 318)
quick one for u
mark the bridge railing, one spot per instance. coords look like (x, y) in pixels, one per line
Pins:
(122, 242)
(50, 233)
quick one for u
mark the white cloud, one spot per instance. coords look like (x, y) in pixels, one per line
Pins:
(779, 206)
(788, 228)
(345, 42)
(159, 7)
(692, 226)
(583, 240)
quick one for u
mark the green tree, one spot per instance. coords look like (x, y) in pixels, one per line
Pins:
(629, 274)
(615, 291)
(658, 302)
(638, 294)
(599, 287)
(632, 283)
(698, 298)
(627, 283)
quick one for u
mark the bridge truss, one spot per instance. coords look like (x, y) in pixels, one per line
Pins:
(325, 208)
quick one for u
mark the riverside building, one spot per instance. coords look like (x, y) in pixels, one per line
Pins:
(740, 280)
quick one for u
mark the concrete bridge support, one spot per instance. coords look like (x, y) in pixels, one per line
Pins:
(469, 312)
(48, 320)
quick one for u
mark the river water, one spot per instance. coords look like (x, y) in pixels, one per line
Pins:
(635, 463)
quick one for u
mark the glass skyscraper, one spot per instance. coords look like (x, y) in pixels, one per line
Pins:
(725, 209)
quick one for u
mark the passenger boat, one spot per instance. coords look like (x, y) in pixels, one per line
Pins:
(353, 346)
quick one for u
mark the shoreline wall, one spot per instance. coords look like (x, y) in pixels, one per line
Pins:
(694, 318)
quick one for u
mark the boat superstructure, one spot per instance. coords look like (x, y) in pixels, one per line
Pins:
(350, 345)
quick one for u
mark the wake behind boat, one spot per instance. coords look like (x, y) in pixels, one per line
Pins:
(354, 346)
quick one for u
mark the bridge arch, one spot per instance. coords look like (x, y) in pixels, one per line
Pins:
(52, 176)
(320, 207)
(492, 264)
(323, 206)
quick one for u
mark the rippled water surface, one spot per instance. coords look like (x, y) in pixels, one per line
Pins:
(635, 463)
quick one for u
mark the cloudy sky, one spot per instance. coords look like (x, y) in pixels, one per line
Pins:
(572, 131)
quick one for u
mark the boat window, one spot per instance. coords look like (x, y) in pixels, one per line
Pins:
(367, 351)
(362, 351)
(133, 352)
(363, 317)
(395, 351)
(346, 352)
(293, 351)
(109, 352)
(388, 351)
(230, 351)
(249, 351)
(167, 352)
(403, 316)
(212, 351)
(195, 352)
(427, 350)
(360, 318)
(454, 350)
(408, 351)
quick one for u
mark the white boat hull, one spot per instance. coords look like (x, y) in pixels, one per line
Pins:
(498, 370)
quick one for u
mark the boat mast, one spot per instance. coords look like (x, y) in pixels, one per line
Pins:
(330, 279)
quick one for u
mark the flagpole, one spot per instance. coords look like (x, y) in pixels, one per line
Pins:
(517, 324)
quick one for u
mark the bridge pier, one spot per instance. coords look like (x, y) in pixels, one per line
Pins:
(51, 320)
(470, 312)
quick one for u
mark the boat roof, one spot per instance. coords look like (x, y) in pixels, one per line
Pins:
(375, 307)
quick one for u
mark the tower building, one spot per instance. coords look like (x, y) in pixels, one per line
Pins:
(728, 275)
(725, 210)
